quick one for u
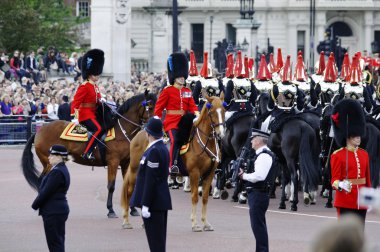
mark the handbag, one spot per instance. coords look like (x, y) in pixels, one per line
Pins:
(5, 68)
(54, 66)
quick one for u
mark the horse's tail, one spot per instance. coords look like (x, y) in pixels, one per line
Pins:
(29, 170)
(308, 157)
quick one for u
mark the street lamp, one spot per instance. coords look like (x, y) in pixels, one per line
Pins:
(211, 21)
(246, 8)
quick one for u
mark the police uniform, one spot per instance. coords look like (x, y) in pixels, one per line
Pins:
(52, 203)
(176, 99)
(151, 189)
(349, 164)
(257, 178)
(87, 98)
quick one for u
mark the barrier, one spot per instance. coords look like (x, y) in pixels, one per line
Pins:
(18, 129)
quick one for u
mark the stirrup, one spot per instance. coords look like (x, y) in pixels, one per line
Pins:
(174, 170)
(88, 156)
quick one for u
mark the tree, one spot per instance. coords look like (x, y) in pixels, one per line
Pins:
(28, 24)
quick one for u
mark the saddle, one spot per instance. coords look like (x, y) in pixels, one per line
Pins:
(79, 133)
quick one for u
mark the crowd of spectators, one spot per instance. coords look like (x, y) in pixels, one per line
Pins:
(22, 95)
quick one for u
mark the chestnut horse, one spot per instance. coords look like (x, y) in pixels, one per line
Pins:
(200, 160)
(129, 120)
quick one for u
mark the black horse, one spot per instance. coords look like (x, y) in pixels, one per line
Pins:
(295, 142)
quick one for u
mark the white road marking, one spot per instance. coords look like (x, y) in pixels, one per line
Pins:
(307, 215)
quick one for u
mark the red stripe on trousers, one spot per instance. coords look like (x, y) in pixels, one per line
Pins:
(94, 136)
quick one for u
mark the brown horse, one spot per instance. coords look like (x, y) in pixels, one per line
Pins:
(129, 120)
(200, 160)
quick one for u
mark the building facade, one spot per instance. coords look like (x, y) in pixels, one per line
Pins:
(202, 23)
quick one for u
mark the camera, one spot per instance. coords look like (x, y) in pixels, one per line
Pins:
(369, 197)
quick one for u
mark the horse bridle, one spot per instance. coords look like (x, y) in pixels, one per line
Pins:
(140, 126)
(212, 135)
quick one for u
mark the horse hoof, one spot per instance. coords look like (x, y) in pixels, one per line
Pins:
(208, 228)
(293, 208)
(313, 203)
(228, 185)
(306, 201)
(127, 226)
(242, 201)
(282, 206)
(134, 212)
(328, 205)
(224, 195)
(112, 215)
(186, 189)
(196, 229)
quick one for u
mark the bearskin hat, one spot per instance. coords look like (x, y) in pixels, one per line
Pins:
(92, 63)
(347, 120)
(178, 66)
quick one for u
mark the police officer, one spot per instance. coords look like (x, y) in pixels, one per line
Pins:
(258, 177)
(151, 191)
(51, 200)
(88, 97)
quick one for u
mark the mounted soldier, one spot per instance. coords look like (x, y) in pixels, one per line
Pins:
(286, 99)
(193, 72)
(264, 77)
(241, 93)
(177, 100)
(207, 82)
(329, 85)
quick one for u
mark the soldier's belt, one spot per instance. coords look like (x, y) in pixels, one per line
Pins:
(360, 181)
(175, 112)
(87, 105)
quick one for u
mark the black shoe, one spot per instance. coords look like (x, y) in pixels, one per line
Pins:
(174, 170)
(88, 156)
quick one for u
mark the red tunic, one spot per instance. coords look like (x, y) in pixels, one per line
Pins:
(173, 99)
(85, 100)
(338, 173)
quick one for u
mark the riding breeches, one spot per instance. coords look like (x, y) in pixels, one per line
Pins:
(173, 145)
(94, 127)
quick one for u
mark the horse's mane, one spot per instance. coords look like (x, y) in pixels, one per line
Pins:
(204, 111)
(135, 99)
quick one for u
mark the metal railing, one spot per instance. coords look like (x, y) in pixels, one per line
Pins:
(18, 129)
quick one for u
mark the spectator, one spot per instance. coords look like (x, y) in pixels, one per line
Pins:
(6, 105)
(52, 109)
(31, 67)
(15, 65)
(119, 102)
(64, 109)
(50, 61)
(4, 67)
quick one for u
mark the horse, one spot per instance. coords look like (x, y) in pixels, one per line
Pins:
(295, 142)
(130, 118)
(200, 160)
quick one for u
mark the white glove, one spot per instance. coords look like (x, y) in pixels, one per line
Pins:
(345, 185)
(75, 121)
(195, 119)
(102, 100)
(145, 212)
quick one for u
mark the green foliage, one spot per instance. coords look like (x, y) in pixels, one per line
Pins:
(28, 24)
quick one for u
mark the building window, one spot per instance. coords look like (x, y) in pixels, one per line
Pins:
(231, 34)
(301, 42)
(83, 9)
(197, 44)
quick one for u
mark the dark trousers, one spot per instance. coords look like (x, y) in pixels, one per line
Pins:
(258, 205)
(155, 229)
(358, 212)
(173, 146)
(55, 231)
(94, 127)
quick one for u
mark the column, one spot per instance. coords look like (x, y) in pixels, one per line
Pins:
(162, 42)
(368, 31)
(247, 29)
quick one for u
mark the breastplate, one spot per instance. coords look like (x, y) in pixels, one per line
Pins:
(329, 87)
(191, 80)
(263, 86)
(354, 92)
(242, 89)
(286, 96)
(211, 86)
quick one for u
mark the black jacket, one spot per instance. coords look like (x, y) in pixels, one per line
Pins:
(64, 112)
(51, 198)
(151, 189)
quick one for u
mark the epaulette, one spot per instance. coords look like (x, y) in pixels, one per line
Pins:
(337, 150)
